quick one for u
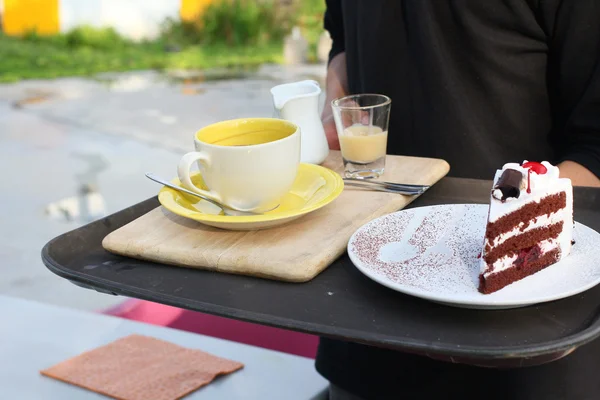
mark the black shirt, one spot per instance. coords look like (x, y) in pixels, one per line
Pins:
(478, 83)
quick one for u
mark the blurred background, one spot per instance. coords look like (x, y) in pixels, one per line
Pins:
(95, 93)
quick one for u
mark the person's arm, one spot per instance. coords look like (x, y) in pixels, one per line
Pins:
(336, 86)
(579, 175)
(337, 77)
(573, 31)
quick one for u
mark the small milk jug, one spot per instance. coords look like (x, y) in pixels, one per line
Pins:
(298, 103)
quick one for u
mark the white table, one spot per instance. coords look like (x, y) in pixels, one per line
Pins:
(34, 336)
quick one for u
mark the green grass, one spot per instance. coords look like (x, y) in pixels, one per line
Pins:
(44, 58)
(219, 56)
(232, 34)
(310, 19)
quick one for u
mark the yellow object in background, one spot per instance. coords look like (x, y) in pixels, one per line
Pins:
(22, 16)
(191, 9)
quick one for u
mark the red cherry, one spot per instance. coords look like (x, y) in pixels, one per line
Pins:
(536, 167)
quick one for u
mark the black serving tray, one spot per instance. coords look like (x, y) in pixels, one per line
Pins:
(341, 302)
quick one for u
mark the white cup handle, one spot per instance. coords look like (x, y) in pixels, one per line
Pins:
(183, 171)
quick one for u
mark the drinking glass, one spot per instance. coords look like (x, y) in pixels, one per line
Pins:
(361, 122)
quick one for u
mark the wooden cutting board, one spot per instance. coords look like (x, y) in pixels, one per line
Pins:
(296, 252)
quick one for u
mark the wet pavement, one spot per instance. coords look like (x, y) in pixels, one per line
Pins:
(73, 150)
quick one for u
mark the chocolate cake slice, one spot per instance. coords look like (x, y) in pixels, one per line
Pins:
(530, 224)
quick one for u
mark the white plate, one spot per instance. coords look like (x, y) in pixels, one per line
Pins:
(432, 253)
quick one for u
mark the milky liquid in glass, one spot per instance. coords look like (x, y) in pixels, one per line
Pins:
(363, 150)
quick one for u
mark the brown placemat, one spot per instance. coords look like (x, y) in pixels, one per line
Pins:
(138, 367)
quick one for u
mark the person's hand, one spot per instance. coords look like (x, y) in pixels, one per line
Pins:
(349, 118)
(331, 132)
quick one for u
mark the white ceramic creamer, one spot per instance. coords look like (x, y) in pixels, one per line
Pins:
(298, 103)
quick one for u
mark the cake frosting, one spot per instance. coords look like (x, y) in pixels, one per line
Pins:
(530, 223)
(540, 186)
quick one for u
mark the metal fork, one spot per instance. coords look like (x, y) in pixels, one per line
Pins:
(391, 187)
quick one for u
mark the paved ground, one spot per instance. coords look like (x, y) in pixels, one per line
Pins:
(69, 136)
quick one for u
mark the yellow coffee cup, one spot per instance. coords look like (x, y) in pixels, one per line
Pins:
(247, 164)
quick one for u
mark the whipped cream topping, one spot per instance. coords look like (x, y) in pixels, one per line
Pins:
(540, 186)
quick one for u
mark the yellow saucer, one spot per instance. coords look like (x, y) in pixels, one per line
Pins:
(314, 187)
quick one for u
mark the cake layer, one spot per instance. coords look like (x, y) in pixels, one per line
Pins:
(524, 227)
(507, 261)
(527, 263)
(527, 214)
(516, 243)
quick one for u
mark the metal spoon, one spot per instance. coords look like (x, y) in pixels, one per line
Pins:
(226, 210)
